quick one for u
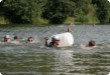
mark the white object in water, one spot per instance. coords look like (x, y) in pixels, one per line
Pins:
(7, 36)
(0, 0)
(55, 37)
(0, 74)
(66, 39)
(109, 73)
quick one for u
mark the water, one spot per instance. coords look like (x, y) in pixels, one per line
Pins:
(36, 59)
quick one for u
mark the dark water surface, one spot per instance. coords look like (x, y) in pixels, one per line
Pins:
(36, 59)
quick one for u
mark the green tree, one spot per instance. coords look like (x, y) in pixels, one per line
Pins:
(23, 11)
(58, 10)
(103, 11)
(85, 12)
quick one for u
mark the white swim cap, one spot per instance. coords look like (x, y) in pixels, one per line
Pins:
(7, 36)
(0, 73)
(56, 37)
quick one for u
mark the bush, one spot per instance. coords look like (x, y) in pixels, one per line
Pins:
(69, 20)
(87, 20)
(40, 21)
(58, 19)
(3, 20)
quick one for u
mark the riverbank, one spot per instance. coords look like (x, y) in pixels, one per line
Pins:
(39, 25)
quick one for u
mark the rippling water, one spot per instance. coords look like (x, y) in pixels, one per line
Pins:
(36, 59)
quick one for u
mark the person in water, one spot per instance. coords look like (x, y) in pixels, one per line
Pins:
(15, 37)
(16, 40)
(54, 43)
(69, 29)
(91, 43)
(7, 39)
(30, 40)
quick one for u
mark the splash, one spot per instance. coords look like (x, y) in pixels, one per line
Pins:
(0, 0)
(0, 73)
(109, 73)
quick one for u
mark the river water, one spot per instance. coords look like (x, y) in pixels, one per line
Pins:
(36, 59)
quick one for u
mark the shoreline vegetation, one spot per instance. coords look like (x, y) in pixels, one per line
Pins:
(69, 21)
(41, 25)
(54, 12)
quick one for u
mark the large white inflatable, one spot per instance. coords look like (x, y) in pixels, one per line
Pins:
(0, 0)
(66, 39)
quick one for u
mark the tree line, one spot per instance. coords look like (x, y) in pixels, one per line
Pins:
(54, 11)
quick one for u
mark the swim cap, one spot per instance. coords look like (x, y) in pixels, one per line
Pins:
(7, 36)
(56, 37)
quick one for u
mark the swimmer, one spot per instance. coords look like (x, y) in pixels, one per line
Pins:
(16, 40)
(91, 44)
(15, 37)
(7, 39)
(30, 40)
(69, 29)
(54, 43)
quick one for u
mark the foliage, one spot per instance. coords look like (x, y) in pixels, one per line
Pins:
(54, 11)
(103, 11)
(69, 20)
(23, 11)
(58, 10)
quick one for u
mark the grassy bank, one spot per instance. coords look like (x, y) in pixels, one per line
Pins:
(81, 20)
(3, 20)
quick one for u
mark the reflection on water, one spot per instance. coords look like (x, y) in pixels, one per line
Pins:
(35, 59)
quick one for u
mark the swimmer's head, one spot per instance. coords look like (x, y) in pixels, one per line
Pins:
(30, 39)
(15, 37)
(91, 43)
(7, 36)
(54, 38)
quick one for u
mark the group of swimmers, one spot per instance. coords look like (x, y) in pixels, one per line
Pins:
(15, 40)
(91, 43)
(54, 41)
